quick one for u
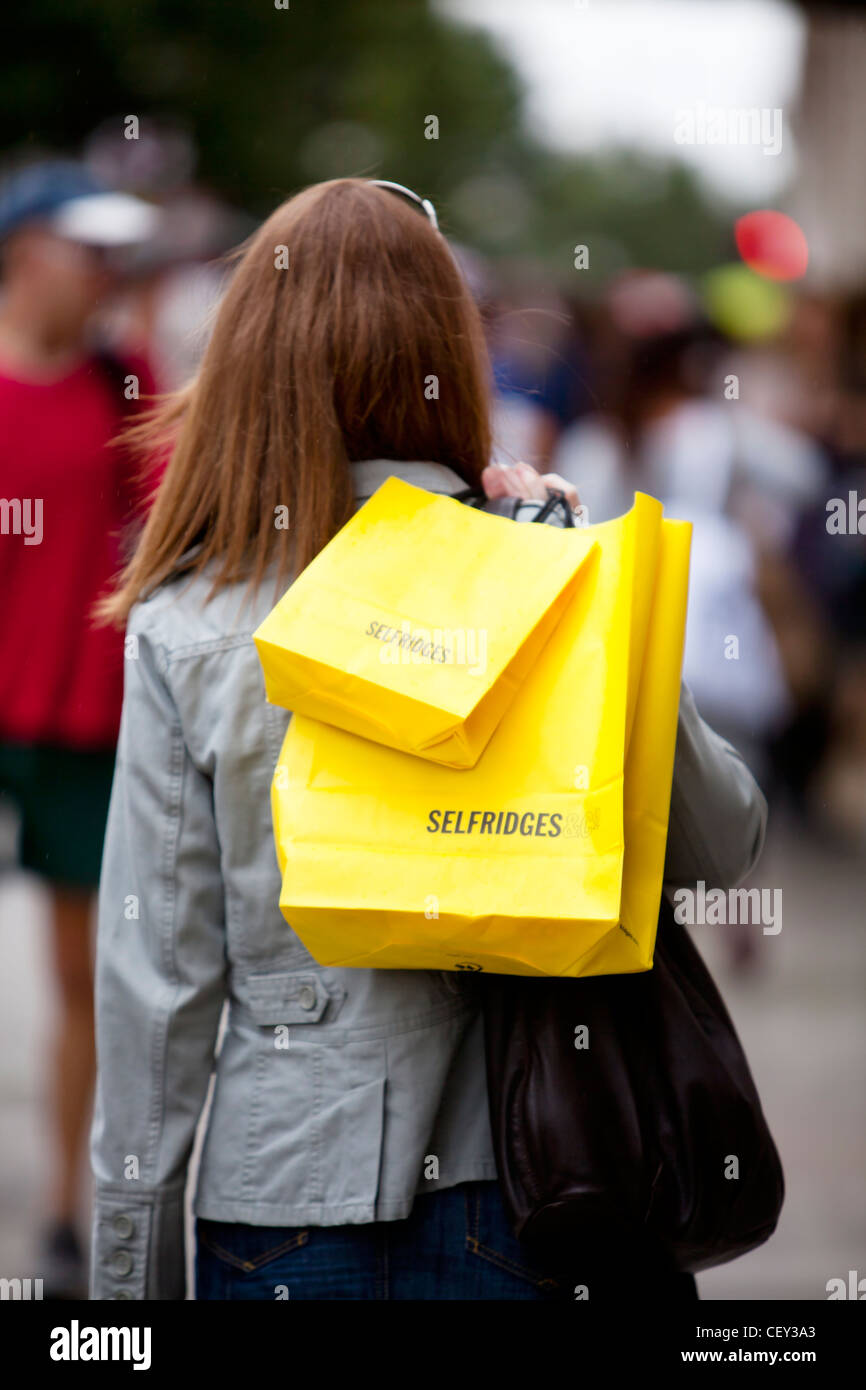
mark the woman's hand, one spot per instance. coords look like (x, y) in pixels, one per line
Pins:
(524, 481)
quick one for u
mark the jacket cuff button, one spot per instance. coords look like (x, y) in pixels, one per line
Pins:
(121, 1263)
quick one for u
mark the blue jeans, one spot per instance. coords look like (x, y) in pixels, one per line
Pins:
(456, 1244)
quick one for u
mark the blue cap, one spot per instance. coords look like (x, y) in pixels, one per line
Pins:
(65, 195)
(36, 192)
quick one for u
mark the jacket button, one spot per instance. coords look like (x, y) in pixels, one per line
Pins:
(123, 1293)
(307, 997)
(122, 1225)
(121, 1262)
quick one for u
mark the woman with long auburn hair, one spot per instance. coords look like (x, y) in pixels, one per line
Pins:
(355, 1162)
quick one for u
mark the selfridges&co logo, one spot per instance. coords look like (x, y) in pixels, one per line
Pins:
(415, 642)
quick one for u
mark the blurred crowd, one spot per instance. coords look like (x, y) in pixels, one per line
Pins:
(751, 425)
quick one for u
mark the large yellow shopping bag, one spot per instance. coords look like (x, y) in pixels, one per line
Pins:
(418, 622)
(520, 865)
(649, 766)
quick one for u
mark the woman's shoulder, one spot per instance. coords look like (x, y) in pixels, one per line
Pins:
(182, 615)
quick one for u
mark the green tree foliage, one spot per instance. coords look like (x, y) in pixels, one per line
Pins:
(277, 98)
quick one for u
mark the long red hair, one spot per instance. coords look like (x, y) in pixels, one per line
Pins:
(347, 332)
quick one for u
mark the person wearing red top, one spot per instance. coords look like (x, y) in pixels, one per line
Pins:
(69, 502)
(61, 677)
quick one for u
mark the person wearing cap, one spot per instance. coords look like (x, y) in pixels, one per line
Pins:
(66, 497)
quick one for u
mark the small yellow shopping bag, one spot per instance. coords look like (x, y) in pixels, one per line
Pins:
(418, 622)
(521, 865)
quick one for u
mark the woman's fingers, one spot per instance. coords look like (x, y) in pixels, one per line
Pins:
(528, 482)
(555, 483)
(519, 480)
(522, 480)
(493, 480)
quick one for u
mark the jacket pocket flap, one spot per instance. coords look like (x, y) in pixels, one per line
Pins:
(285, 998)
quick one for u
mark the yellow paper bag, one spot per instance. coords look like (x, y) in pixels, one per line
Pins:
(520, 865)
(417, 623)
(649, 766)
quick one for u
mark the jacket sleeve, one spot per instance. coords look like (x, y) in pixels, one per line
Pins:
(718, 815)
(160, 985)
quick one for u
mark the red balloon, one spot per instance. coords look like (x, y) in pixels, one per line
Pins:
(772, 244)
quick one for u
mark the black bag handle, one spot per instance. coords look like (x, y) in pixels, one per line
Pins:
(475, 497)
(472, 496)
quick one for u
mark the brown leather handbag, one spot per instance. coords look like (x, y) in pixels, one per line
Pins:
(641, 1138)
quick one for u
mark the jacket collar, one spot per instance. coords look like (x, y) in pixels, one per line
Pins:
(433, 477)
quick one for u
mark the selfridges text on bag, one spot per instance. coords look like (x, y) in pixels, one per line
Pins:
(547, 856)
(418, 622)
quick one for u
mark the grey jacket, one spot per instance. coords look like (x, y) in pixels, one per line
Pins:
(384, 1070)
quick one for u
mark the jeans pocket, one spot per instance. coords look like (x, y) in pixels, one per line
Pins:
(248, 1249)
(489, 1236)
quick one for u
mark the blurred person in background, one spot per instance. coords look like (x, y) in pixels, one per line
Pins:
(824, 753)
(66, 494)
(181, 271)
(541, 371)
(742, 477)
